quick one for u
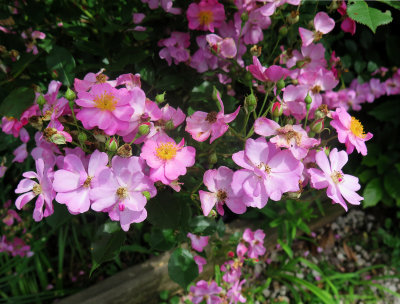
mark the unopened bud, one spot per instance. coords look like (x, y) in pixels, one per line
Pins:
(125, 151)
(212, 214)
(248, 78)
(82, 137)
(146, 194)
(277, 109)
(244, 16)
(333, 6)
(213, 158)
(70, 95)
(280, 84)
(54, 74)
(283, 31)
(214, 95)
(308, 99)
(112, 145)
(293, 17)
(250, 103)
(317, 125)
(321, 112)
(327, 150)
(144, 129)
(41, 101)
(160, 98)
(169, 125)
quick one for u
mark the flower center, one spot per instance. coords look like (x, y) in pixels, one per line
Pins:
(122, 193)
(357, 128)
(316, 89)
(212, 117)
(221, 195)
(317, 36)
(337, 177)
(37, 189)
(105, 102)
(293, 134)
(86, 184)
(206, 17)
(101, 78)
(264, 167)
(166, 151)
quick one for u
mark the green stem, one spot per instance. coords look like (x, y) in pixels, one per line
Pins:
(246, 120)
(263, 105)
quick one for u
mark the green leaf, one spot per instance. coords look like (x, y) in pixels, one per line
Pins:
(392, 184)
(359, 66)
(387, 111)
(17, 102)
(220, 227)
(286, 248)
(169, 210)
(366, 175)
(394, 4)
(202, 225)
(107, 244)
(61, 61)
(324, 296)
(372, 193)
(182, 268)
(162, 239)
(360, 12)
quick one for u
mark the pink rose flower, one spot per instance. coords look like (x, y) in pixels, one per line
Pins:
(166, 159)
(119, 191)
(203, 291)
(105, 107)
(323, 25)
(198, 242)
(350, 131)
(42, 189)
(268, 172)
(274, 73)
(292, 137)
(20, 154)
(201, 124)
(218, 181)
(255, 239)
(74, 181)
(339, 185)
(206, 15)
(200, 261)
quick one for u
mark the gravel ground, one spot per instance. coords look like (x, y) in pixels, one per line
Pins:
(348, 245)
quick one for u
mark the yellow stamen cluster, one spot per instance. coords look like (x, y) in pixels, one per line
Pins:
(166, 151)
(122, 193)
(37, 189)
(86, 184)
(264, 167)
(357, 128)
(221, 195)
(206, 17)
(105, 102)
(337, 177)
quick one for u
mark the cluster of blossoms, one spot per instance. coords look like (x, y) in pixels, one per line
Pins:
(229, 290)
(12, 225)
(124, 150)
(114, 182)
